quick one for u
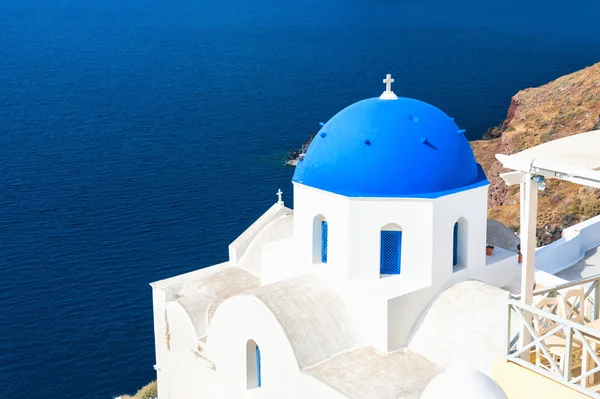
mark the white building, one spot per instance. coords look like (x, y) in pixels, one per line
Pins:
(350, 293)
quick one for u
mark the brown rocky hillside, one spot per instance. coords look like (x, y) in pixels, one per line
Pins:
(564, 107)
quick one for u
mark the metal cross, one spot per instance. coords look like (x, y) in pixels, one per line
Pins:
(388, 82)
(279, 192)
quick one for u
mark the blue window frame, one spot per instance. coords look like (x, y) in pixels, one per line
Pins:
(391, 247)
(455, 245)
(324, 230)
(258, 376)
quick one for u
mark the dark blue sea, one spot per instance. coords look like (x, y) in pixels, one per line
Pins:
(139, 137)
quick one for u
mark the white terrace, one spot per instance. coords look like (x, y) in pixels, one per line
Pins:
(559, 335)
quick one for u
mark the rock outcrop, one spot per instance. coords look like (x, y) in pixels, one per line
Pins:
(297, 155)
(566, 106)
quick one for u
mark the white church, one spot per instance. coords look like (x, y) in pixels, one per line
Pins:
(374, 284)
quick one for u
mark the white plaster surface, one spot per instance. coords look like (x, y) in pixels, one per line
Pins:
(586, 267)
(313, 317)
(238, 247)
(464, 326)
(580, 150)
(201, 298)
(276, 230)
(366, 374)
(463, 383)
(574, 158)
(571, 248)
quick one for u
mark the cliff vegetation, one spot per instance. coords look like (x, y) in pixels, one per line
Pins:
(566, 106)
(149, 391)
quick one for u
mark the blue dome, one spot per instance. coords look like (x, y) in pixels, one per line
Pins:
(390, 148)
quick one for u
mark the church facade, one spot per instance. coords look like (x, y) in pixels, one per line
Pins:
(335, 297)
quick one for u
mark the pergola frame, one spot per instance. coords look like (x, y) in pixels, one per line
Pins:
(575, 159)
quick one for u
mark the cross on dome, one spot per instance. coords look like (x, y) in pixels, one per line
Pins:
(388, 82)
(388, 94)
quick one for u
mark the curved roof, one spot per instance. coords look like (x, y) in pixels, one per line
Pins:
(366, 373)
(390, 148)
(468, 314)
(463, 383)
(314, 318)
(278, 229)
(201, 298)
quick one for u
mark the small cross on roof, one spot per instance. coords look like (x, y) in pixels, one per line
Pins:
(388, 94)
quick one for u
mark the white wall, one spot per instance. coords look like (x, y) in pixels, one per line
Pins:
(405, 312)
(159, 301)
(163, 293)
(308, 204)
(189, 374)
(243, 318)
(571, 248)
(281, 260)
(499, 270)
(367, 218)
(278, 229)
(190, 368)
(386, 310)
(471, 206)
(370, 315)
(239, 246)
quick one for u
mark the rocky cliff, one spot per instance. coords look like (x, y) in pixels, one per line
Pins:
(564, 107)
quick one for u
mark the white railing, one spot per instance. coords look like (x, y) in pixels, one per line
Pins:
(565, 351)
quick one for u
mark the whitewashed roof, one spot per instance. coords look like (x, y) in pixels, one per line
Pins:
(313, 317)
(574, 158)
(580, 150)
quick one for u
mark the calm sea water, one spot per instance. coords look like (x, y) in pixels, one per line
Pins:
(139, 137)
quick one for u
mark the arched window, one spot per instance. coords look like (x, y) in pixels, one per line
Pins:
(320, 239)
(459, 244)
(253, 372)
(391, 249)
(258, 368)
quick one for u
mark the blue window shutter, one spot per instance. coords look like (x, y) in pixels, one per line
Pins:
(455, 246)
(391, 248)
(324, 231)
(258, 376)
